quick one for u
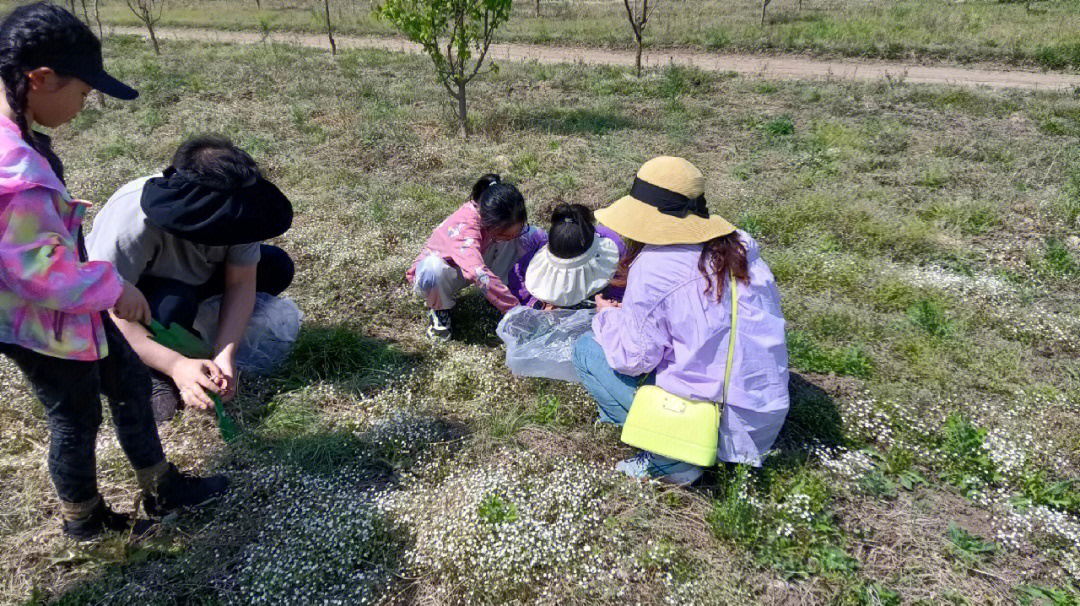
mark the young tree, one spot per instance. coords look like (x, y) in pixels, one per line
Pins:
(329, 27)
(456, 34)
(638, 11)
(764, 4)
(148, 11)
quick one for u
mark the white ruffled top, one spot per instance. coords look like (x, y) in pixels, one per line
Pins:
(567, 282)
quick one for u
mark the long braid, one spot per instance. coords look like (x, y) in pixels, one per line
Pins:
(16, 87)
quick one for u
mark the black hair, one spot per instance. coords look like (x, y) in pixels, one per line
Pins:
(501, 204)
(573, 229)
(29, 36)
(215, 162)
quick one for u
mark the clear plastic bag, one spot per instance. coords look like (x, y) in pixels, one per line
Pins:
(270, 335)
(541, 343)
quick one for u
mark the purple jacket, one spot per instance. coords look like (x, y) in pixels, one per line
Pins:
(516, 281)
(669, 325)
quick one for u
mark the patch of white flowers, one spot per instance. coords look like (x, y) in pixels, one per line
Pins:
(522, 529)
(845, 465)
(322, 541)
(1055, 529)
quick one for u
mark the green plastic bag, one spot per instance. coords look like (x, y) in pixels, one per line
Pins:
(178, 339)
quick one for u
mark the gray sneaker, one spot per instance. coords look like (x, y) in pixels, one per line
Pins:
(164, 397)
(439, 324)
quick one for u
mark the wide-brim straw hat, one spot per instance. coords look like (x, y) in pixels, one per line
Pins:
(666, 206)
(567, 282)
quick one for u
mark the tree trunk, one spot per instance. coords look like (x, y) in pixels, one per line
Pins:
(638, 62)
(537, 8)
(764, 3)
(258, 5)
(463, 118)
(330, 29)
(153, 37)
(97, 17)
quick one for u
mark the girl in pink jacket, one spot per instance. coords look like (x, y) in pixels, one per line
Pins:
(52, 300)
(477, 244)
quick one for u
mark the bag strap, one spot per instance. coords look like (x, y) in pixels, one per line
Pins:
(734, 331)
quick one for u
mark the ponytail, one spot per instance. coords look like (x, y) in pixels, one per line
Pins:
(482, 184)
(572, 231)
(501, 205)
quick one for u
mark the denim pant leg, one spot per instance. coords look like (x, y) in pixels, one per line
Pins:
(614, 392)
(275, 270)
(171, 300)
(125, 381)
(69, 391)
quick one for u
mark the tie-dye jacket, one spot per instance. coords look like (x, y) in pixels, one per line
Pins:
(50, 300)
(461, 241)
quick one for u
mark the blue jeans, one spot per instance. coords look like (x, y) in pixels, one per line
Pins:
(614, 392)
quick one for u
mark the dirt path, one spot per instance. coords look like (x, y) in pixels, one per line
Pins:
(789, 67)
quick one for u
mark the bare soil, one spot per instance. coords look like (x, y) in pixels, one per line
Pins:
(774, 67)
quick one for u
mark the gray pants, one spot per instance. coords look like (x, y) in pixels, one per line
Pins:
(444, 281)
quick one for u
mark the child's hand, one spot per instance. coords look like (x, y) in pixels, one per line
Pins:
(132, 305)
(229, 377)
(194, 378)
(602, 303)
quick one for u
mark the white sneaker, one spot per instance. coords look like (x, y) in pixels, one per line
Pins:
(646, 466)
(439, 324)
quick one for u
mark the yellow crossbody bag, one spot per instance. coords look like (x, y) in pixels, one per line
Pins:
(682, 429)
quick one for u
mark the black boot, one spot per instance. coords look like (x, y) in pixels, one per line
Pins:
(102, 519)
(177, 490)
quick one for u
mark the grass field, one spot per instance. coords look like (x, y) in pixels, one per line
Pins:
(1042, 33)
(924, 241)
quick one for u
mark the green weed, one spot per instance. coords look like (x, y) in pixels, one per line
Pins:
(495, 510)
(930, 316)
(1037, 595)
(969, 548)
(968, 465)
(805, 353)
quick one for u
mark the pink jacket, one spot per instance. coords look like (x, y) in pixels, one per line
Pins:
(461, 242)
(50, 300)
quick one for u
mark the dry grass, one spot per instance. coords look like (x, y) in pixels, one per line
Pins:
(908, 227)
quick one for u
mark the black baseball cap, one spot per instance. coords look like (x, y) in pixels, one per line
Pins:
(90, 68)
(46, 35)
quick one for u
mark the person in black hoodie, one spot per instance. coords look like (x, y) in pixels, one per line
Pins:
(188, 234)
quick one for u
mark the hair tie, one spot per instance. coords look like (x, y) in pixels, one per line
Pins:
(568, 219)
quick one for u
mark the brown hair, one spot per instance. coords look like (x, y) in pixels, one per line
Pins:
(720, 257)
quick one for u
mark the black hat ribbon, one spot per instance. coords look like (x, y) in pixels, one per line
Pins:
(667, 201)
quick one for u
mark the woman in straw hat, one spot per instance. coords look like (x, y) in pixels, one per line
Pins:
(674, 323)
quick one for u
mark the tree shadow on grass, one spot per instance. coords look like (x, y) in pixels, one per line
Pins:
(574, 120)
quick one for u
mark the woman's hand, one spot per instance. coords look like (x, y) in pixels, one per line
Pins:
(132, 305)
(194, 378)
(602, 303)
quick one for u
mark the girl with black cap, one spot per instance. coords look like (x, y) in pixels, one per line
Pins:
(52, 300)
